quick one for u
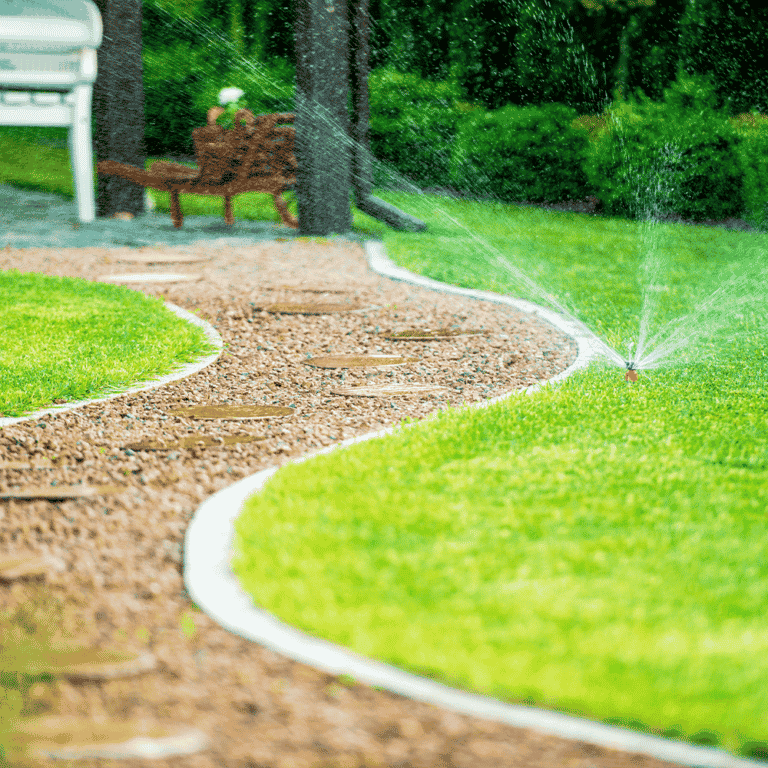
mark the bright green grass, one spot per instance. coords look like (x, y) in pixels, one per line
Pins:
(596, 548)
(68, 338)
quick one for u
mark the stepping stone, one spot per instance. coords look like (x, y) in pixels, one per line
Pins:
(306, 289)
(13, 567)
(163, 258)
(232, 411)
(149, 277)
(73, 738)
(389, 390)
(310, 309)
(57, 493)
(359, 361)
(425, 334)
(40, 464)
(193, 442)
(80, 663)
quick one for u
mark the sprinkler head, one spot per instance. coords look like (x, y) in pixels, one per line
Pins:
(631, 374)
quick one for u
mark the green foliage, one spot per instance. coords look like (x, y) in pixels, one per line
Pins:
(555, 57)
(522, 153)
(175, 78)
(267, 88)
(482, 44)
(279, 19)
(413, 123)
(163, 24)
(727, 41)
(753, 155)
(680, 156)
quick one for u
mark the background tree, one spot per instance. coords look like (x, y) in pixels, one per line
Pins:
(118, 105)
(483, 51)
(553, 59)
(728, 41)
(279, 24)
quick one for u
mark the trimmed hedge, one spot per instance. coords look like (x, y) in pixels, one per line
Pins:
(679, 156)
(753, 156)
(413, 123)
(522, 153)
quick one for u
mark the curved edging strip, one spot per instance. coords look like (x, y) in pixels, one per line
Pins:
(215, 589)
(186, 370)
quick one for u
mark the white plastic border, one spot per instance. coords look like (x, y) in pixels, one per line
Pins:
(212, 585)
(186, 370)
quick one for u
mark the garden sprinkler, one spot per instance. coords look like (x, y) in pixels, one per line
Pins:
(631, 374)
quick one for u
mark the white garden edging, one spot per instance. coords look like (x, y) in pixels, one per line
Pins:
(212, 585)
(186, 370)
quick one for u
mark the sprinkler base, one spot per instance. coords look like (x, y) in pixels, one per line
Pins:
(630, 375)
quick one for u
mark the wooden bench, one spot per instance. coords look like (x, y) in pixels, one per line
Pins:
(256, 155)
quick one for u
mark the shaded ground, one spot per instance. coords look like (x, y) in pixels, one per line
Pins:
(32, 219)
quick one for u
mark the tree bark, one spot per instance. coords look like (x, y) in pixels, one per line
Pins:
(118, 105)
(322, 146)
(362, 162)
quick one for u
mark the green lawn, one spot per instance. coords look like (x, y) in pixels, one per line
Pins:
(69, 339)
(597, 548)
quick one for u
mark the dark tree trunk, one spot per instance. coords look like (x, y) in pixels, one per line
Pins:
(118, 105)
(322, 148)
(362, 164)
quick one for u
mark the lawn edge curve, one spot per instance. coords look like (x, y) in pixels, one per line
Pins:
(213, 587)
(188, 369)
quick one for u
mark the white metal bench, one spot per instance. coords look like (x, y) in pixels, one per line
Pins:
(47, 71)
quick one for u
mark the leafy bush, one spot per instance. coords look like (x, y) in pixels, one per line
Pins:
(174, 79)
(413, 123)
(753, 156)
(679, 156)
(522, 153)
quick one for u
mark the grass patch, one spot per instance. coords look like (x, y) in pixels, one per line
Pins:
(69, 339)
(598, 548)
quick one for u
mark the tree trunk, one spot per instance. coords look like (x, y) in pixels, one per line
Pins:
(118, 105)
(322, 147)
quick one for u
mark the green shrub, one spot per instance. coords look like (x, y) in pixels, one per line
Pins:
(679, 156)
(522, 153)
(753, 155)
(174, 79)
(413, 123)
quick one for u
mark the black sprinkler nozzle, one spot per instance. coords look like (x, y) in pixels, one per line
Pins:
(630, 364)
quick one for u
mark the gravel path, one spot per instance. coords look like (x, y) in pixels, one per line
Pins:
(120, 579)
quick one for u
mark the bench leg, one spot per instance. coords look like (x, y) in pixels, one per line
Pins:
(81, 152)
(229, 217)
(285, 214)
(176, 215)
